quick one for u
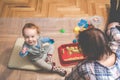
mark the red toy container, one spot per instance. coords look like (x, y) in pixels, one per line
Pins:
(69, 54)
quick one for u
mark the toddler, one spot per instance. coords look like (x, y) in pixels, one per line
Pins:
(39, 49)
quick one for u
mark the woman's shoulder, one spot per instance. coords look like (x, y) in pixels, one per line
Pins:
(86, 66)
(80, 71)
(86, 63)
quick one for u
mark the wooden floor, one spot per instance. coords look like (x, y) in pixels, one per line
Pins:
(14, 13)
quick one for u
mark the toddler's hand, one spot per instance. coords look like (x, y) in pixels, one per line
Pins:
(24, 50)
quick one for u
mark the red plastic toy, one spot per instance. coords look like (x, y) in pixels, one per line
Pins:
(69, 54)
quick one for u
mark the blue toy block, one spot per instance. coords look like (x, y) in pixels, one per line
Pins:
(75, 41)
(82, 22)
(86, 26)
(51, 41)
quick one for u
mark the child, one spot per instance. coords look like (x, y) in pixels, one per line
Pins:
(38, 49)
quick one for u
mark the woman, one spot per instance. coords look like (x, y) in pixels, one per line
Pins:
(100, 63)
(102, 56)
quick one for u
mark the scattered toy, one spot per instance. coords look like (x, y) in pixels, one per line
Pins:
(62, 30)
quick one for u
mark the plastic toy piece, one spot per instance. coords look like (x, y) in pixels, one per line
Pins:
(83, 23)
(97, 21)
(75, 41)
(69, 54)
(51, 41)
(86, 26)
(82, 29)
(62, 30)
(76, 29)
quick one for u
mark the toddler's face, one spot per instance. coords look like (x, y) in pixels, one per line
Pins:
(30, 36)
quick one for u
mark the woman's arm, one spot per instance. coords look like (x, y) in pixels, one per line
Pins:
(113, 31)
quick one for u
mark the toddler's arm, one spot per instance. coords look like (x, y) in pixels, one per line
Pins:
(47, 39)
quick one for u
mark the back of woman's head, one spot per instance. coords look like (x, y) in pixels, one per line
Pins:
(93, 43)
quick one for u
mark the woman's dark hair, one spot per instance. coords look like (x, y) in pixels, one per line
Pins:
(94, 44)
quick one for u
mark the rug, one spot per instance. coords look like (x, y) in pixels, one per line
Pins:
(50, 27)
(18, 62)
